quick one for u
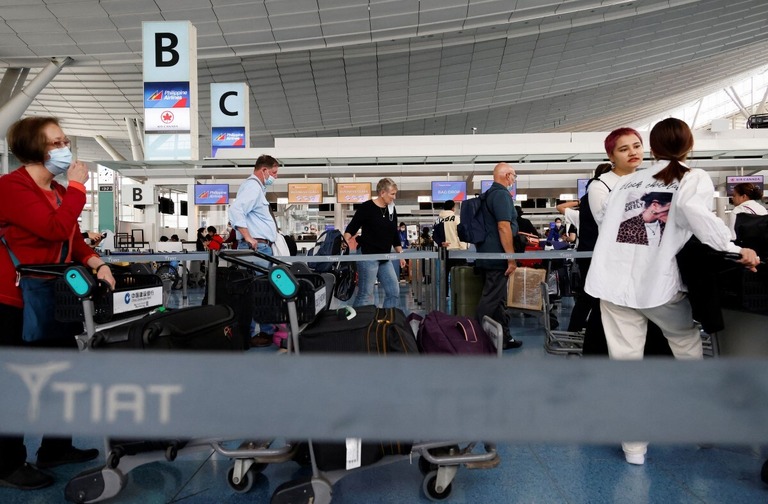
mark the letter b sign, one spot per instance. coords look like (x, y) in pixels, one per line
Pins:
(137, 194)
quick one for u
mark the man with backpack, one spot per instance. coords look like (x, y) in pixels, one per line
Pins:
(500, 228)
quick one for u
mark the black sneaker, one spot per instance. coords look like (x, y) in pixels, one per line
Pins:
(27, 477)
(512, 343)
(71, 456)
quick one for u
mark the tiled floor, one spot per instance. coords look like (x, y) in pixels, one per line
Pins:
(528, 473)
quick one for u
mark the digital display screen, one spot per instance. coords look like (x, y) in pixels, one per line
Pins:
(305, 193)
(581, 187)
(211, 194)
(449, 190)
(355, 192)
(730, 182)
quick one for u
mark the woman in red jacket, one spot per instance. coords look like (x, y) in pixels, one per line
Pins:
(38, 220)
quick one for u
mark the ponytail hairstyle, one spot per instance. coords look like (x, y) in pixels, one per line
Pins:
(671, 140)
(603, 168)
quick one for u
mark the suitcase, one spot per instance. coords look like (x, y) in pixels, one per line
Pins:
(207, 327)
(372, 330)
(441, 333)
(466, 289)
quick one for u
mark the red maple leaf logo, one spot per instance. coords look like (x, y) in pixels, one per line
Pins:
(166, 117)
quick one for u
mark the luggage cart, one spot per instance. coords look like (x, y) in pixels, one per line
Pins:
(538, 303)
(287, 292)
(438, 461)
(122, 456)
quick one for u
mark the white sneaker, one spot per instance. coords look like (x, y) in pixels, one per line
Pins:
(635, 458)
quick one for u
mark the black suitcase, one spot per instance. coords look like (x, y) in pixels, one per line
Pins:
(372, 330)
(208, 327)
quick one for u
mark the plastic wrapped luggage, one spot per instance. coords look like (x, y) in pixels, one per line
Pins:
(208, 327)
(466, 289)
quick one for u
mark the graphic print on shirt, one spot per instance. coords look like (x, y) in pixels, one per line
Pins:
(645, 216)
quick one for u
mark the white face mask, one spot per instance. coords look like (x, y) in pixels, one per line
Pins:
(59, 160)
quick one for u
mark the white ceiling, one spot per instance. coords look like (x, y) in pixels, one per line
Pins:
(393, 67)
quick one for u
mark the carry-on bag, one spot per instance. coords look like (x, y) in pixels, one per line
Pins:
(441, 333)
(466, 290)
(207, 327)
(363, 329)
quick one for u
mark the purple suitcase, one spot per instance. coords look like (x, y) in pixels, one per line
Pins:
(441, 333)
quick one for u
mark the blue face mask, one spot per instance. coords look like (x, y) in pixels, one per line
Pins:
(270, 180)
(59, 160)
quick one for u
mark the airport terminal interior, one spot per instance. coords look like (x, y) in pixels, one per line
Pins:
(170, 104)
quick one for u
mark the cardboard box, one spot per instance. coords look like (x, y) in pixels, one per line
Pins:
(524, 289)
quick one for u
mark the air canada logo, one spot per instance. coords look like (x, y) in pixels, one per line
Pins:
(167, 117)
(156, 96)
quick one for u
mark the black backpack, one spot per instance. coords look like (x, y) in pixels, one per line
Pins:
(752, 232)
(587, 225)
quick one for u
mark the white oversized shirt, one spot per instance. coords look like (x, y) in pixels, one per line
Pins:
(645, 275)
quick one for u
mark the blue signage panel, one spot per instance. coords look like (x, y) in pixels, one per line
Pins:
(211, 194)
(232, 137)
(166, 107)
(449, 190)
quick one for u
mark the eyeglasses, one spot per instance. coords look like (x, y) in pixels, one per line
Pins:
(61, 143)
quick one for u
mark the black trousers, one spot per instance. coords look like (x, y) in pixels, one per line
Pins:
(13, 453)
(493, 299)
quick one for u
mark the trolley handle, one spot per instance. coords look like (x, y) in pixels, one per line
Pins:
(54, 269)
(238, 259)
(233, 255)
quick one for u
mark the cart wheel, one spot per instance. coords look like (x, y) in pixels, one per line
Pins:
(113, 460)
(429, 486)
(764, 472)
(171, 452)
(426, 467)
(245, 484)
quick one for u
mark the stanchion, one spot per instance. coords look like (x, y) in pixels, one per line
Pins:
(213, 262)
(442, 286)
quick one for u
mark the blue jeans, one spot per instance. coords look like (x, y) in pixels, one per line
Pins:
(367, 273)
(266, 250)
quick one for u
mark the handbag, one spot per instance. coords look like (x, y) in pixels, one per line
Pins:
(39, 296)
(346, 281)
(280, 247)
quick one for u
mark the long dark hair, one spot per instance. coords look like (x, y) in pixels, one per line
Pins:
(672, 140)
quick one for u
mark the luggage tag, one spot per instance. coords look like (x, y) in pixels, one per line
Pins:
(346, 312)
(354, 452)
